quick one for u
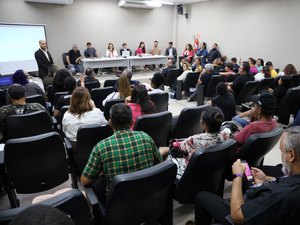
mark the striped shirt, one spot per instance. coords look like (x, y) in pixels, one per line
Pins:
(124, 152)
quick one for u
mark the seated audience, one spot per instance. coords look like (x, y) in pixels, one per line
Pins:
(225, 101)
(31, 88)
(240, 81)
(156, 82)
(73, 59)
(269, 200)
(48, 80)
(129, 74)
(235, 66)
(58, 80)
(89, 76)
(228, 71)
(213, 53)
(90, 51)
(125, 151)
(42, 215)
(140, 103)
(196, 67)
(170, 65)
(288, 70)
(82, 111)
(211, 121)
(186, 66)
(273, 71)
(202, 53)
(264, 109)
(284, 83)
(260, 64)
(264, 73)
(124, 90)
(69, 86)
(16, 94)
(188, 53)
(171, 52)
(252, 63)
(218, 65)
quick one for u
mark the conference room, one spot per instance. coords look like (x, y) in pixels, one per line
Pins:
(242, 29)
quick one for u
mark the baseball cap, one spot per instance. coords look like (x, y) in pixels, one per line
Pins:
(266, 101)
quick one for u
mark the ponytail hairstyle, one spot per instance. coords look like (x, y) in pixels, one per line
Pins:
(213, 118)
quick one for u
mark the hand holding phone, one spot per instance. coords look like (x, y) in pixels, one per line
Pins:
(248, 172)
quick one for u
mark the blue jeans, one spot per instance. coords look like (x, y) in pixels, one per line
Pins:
(75, 68)
(241, 121)
(297, 120)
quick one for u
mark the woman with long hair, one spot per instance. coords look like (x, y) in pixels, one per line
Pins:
(82, 111)
(141, 49)
(111, 52)
(188, 53)
(124, 90)
(140, 103)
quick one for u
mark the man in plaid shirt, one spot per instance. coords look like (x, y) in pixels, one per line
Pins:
(124, 152)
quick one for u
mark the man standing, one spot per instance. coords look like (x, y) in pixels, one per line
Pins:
(269, 201)
(73, 59)
(124, 152)
(90, 51)
(43, 59)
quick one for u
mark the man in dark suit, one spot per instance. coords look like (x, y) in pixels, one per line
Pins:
(43, 59)
(171, 52)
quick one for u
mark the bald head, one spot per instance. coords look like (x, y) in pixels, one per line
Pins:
(43, 44)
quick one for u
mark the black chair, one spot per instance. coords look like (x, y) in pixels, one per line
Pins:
(172, 76)
(258, 145)
(160, 100)
(64, 59)
(87, 137)
(190, 82)
(140, 197)
(246, 92)
(63, 110)
(290, 104)
(211, 87)
(108, 104)
(72, 202)
(205, 172)
(37, 163)
(26, 125)
(264, 85)
(188, 122)
(57, 96)
(36, 99)
(110, 83)
(50, 94)
(157, 125)
(2, 98)
(296, 80)
(99, 94)
(91, 85)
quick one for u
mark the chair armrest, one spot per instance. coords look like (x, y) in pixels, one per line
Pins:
(97, 207)
(229, 219)
(54, 120)
(68, 144)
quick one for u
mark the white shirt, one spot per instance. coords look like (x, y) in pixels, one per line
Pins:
(183, 75)
(113, 95)
(46, 54)
(259, 76)
(71, 122)
(112, 54)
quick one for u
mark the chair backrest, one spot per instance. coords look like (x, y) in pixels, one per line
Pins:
(156, 125)
(264, 84)
(2, 98)
(92, 84)
(36, 99)
(172, 76)
(190, 81)
(246, 92)
(87, 137)
(36, 163)
(110, 83)
(50, 94)
(290, 104)
(99, 94)
(296, 80)
(57, 96)
(26, 125)
(211, 87)
(63, 110)
(140, 197)
(72, 202)
(188, 122)
(160, 100)
(108, 104)
(205, 172)
(64, 59)
(258, 145)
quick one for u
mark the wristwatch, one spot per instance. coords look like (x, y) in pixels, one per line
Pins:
(235, 175)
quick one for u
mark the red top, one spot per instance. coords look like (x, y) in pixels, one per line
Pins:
(188, 54)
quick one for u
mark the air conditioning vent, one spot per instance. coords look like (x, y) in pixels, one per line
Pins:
(139, 4)
(58, 2)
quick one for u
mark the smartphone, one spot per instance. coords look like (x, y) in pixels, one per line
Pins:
(248, 172)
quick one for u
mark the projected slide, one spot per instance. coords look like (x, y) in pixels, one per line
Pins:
(18, 43)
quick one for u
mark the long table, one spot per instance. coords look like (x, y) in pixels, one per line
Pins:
(128, 62)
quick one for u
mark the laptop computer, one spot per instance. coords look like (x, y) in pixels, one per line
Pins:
(5, 81)
(126, 53)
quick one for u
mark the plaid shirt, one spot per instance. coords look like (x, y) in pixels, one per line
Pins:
(124, 152)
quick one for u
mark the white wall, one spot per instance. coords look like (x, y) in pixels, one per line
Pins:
(99, 22)
(269, 29)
